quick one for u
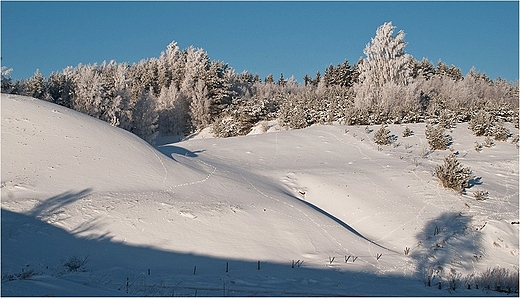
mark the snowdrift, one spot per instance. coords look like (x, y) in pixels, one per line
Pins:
(48, 149)
(319, 211)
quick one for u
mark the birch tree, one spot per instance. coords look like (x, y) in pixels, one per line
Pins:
(386, 62)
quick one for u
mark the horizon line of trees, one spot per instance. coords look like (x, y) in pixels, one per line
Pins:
(184, 91)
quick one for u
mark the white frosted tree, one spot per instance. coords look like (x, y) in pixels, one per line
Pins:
(144, 115)
(199, 106)
(173, 111)
(36, 86)
(60, 87)
(88, 96)
(195, 89)
(175, 62)
(386, 62)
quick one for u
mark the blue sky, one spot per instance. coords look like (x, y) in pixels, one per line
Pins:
(293, 38)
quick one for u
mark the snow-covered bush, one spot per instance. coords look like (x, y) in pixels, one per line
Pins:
(407, 132)
(293, 113)
(382, 136)
(498, 279)
(25, 274)
(486, 124)
(75, 263)
(481, 123)
(500, 132)
(481, 195)
(478, 146)
(453, 175)
(230, 126)
(437, 137)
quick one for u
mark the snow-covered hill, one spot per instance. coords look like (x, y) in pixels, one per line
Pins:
(231, 216)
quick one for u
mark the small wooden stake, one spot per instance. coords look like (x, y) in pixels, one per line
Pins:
(227, 266)
(258, 265)
(194, 270)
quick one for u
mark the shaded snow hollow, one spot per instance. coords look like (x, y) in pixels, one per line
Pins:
(201, 216)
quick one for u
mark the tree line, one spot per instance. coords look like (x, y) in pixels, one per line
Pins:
(184, 91)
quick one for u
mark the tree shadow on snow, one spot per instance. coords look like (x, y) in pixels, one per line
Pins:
(446, 243)
(169, 150)
(115, 268)
(474, 181)
(53, 204)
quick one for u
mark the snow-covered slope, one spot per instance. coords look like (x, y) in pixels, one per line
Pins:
(203, 215)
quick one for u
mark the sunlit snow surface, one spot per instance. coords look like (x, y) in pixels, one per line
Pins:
(214, 217)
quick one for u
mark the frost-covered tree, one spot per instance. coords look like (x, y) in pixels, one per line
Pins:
(281, 80)
(88, 97)
(199, 106)
(294, 112)
(7, 82)
(269, 79)
(172, 66)
(173, 111)
(218, 80)
(145, 116)
(60, 87)
(36, 86)
(453, 175)
(10, 86)
(423, 69)
(194, 86)
(340, 75)
(307, 80)
(386, 62)
(452, 71)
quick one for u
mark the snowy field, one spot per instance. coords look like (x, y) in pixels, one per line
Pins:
(89, 209)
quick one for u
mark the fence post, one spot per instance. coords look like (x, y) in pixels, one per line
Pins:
(227, 266)
(258, 265)
(194, 270)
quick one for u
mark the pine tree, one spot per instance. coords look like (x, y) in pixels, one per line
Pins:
(36, 86)
(7, 82)
(269, 79)
(60, 88)
(452, 72)
(281, 81)
(423, 69)
(307, 80)
(453, 175)
(341, 75)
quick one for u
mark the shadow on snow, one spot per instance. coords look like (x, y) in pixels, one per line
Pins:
(171, 150)
(117, 268)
